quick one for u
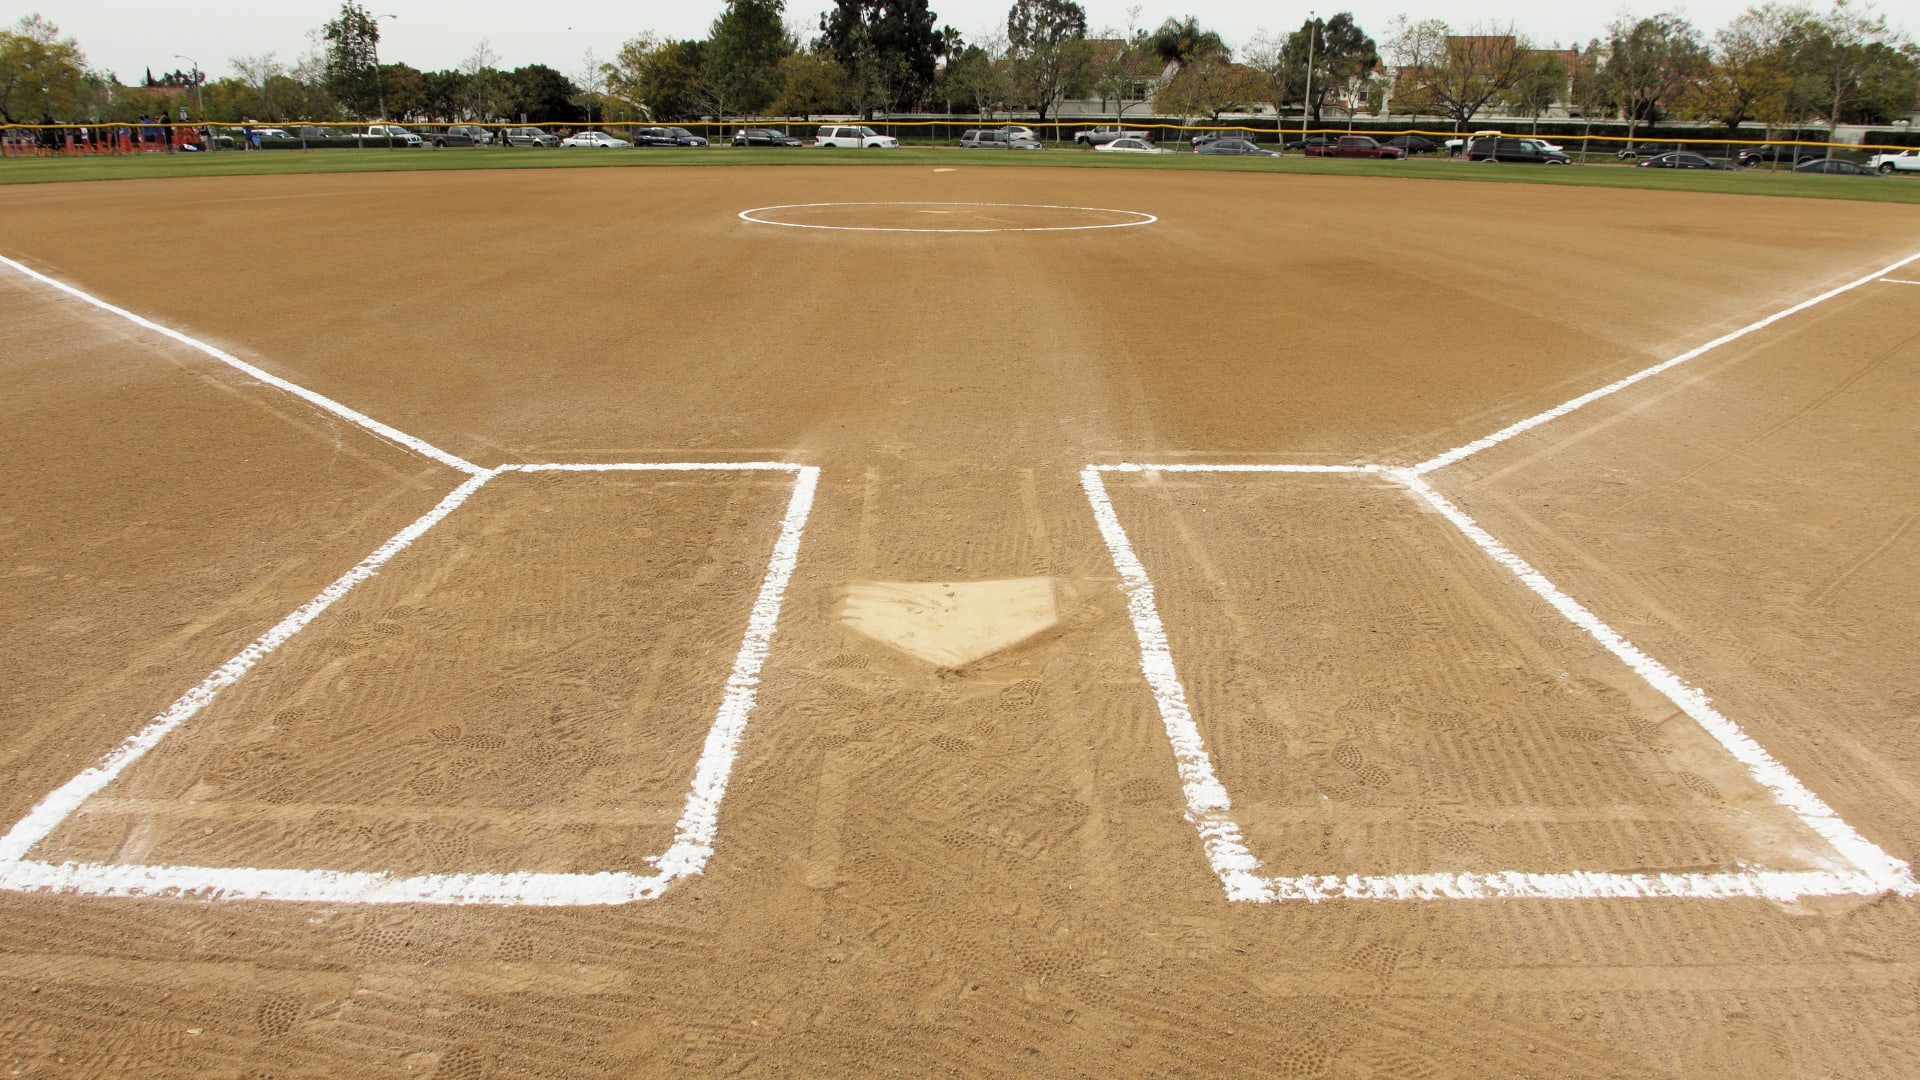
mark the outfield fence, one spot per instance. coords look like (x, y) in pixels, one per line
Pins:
(40, 140)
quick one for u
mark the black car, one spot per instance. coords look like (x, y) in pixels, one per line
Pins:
(1833, 167)
(1414, 144)
(1681, 160)
(1518, 151)
(1754, 155)
(1234, 147)
(654, 136)
(1646, 150)
(1302, 144)
(683, 137)
(764, 137)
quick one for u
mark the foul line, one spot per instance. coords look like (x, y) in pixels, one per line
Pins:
(1531, 422)
(1899, 281)
(1209, 806)
(694, 833)
(417, 445)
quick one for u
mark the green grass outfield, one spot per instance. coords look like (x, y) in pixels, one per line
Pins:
(1899, 189)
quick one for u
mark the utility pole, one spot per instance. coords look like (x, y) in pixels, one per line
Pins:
(1307, 103)
(199, 97)
(379, 84)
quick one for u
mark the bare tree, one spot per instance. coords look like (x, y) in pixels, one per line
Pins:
(1459, 74)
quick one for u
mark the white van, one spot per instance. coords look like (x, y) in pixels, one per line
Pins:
(855, 136)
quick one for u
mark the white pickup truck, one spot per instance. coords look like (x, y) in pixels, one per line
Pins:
(1904, 161)
(1101, 136)
(388, 135)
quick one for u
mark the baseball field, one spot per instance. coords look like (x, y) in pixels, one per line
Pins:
(950, 620)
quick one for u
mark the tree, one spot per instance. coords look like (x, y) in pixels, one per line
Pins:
(353, 44)
(482, 91)
(405, 89)
(1209, 85)
(1454, 75)
(1342, 57)
(671, 83)
(1837, 55)
(744, 50)
(976, 77)
(1047, 42)
(812, 82)
(1541, 83)
(540, 94)
(590, 81)
(889, 49)
(1650, 61)
(1750, 74)
(1124, 69)
(1181, 41)
(41, 73)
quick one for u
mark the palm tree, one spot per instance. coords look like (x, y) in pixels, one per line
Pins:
(1182, 41)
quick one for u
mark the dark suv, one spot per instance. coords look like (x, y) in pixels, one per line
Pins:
(1522, 151)
(1754, 155)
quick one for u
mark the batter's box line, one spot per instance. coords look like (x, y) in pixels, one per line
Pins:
(1209, 807)
(693, 835)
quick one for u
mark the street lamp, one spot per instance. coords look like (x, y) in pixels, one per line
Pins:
(199, 97)
(379, 84)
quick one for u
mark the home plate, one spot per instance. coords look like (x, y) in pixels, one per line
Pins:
(950, 624)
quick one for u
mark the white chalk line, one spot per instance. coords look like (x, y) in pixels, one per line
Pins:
(361, 420)
(1461, 452)
(694, 833)
(1144, 218)
(1209, 806)
(1899, 281)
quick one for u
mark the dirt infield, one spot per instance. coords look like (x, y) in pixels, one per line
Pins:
(987, 869)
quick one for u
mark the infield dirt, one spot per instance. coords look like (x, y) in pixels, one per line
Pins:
(982, 870)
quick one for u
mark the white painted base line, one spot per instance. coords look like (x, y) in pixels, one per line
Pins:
(391, 434)
(693, 835)
(1459, 453)
(1899, 281)
(1209, 807)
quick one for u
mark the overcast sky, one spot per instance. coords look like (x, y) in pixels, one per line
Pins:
(127, 37)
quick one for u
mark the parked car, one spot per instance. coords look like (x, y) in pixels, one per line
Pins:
(1021, 131)
(463, 135)
(272, 133)
(1129, 145)
(1834, 167)
(1304, 144)
(529, 136)
(1754, 155)
(1904, 161)
(1517, 151)
(654, 136)
(977, 139)
(1681, 159)
(1414, 144)
(595, 138)
(683, 137)
(854, 136)
(1645, 150)
(1233, 147)
(1100, 136)
(1356, 146)
(764, 137)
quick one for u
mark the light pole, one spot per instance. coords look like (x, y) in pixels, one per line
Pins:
(1307, 103)
(379, 84)
(199, 97)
